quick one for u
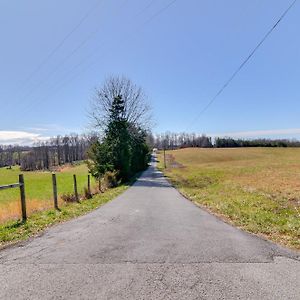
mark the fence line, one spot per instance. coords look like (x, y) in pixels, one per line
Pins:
(54, 191)
(21, 186)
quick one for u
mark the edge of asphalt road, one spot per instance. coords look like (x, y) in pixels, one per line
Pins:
(287, 252)
(278, 250)
(23, 243)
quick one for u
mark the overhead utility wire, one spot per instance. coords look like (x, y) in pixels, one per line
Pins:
(39, 100)
(159, 12)
(243, 64)
(147, 6)
(75, 50)
(64, 60)
(61, 63)
(61, 43)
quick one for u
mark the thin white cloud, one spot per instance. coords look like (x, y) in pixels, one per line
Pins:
(258, 133)
(20, 137)
(37, 129)
(52, 129)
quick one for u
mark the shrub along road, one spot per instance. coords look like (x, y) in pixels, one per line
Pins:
(148, 243)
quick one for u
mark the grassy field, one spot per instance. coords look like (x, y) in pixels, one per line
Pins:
(38, 187)
(13, 231)
(257, 189)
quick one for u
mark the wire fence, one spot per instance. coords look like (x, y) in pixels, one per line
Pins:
(20, 202)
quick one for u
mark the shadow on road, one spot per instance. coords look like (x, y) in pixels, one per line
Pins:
(152, 178)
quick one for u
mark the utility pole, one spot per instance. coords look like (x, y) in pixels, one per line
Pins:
(165, 163)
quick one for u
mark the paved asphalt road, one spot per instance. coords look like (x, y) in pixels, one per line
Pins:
(149, 243)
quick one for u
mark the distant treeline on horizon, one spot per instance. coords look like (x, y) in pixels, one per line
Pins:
(186, 140)
(71, 148)
(44, 155)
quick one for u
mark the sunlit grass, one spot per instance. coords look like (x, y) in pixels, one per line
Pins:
(40, 219)
(257, 189)
(12, 231)
(38, 189)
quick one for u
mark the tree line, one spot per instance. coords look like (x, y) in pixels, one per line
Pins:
(47, 154)
(121, 114)
(71, 148)
(121, 118)
(232, 143)
(171, 141)
(11, 155)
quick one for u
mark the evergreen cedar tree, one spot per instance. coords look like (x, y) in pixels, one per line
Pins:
(123, 148)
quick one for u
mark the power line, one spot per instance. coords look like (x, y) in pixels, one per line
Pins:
(89, 37)
(145, 8)
(62, 42)
(159, 12)
(96, 52)
(243, 64)
(65, 59)
(62, 62)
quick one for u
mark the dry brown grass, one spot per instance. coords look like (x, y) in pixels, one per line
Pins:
(12, 210)
(38, 189)
(257, 189)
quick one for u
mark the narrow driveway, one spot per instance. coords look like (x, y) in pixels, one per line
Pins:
(148, 243)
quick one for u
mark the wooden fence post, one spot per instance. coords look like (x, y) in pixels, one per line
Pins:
(54, 190)
(165, 163)
(89, 184)
(23, 200)
(75, 188)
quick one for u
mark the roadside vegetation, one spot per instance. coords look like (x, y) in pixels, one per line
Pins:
(38, 188)
(46, 155)
(257, 189)
(14, 231)
(176, 140)
(116, 153)
(121, 113)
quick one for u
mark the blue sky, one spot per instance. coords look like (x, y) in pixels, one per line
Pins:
(181, 58)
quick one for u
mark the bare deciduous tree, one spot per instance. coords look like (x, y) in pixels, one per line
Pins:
(137, 110)
(171, 140)
(47, 154)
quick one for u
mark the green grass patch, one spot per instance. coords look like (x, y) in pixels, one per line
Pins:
(39, 183)
(38, 188)
(14, 231)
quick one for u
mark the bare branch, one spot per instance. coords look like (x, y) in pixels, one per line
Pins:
(137, 108)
